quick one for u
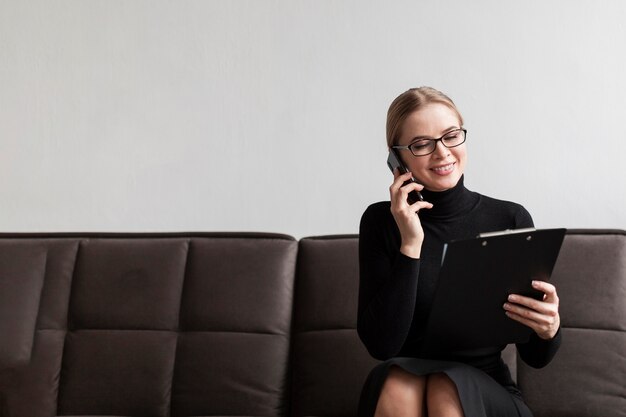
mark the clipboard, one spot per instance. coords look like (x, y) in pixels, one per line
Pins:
(476, 277)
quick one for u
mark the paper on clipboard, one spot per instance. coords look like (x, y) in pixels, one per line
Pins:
(476, 277)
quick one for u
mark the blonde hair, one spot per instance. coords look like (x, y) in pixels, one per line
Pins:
(410, 101)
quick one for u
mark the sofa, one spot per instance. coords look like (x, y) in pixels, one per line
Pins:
(252, 324)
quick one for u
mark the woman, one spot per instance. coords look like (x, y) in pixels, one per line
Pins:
(400, 248)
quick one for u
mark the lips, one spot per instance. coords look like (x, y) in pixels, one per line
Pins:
(443, 169)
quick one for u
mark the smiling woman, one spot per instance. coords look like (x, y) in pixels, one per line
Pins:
(400, 248)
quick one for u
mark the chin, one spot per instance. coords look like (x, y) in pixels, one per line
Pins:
(443, 184)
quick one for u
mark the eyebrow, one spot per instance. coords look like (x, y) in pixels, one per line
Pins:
(446, 131)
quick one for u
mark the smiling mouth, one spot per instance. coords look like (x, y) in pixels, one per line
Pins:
(443, 169)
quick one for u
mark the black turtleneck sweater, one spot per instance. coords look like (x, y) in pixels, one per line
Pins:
(396, 291)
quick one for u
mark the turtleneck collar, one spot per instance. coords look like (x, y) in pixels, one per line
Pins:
(449, 204)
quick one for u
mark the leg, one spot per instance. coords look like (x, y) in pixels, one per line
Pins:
(402, 395)
(442, 397)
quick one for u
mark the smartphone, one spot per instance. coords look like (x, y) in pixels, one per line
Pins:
(393, 162)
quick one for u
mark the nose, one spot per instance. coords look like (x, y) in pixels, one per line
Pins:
(440, 150)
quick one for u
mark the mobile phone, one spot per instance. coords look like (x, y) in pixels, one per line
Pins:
(393, 162)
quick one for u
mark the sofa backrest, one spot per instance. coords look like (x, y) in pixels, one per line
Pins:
(158, 325)
(253, 324)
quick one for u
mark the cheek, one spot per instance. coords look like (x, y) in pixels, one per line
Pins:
(461, 156)
(416, 165)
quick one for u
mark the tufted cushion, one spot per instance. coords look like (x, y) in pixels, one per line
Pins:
(155, 325)
(330, 362)
(235, 319)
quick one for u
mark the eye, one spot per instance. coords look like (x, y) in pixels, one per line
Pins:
(452, 135)
(420, 144)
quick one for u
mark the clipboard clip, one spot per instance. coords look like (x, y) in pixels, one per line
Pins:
(507, 232)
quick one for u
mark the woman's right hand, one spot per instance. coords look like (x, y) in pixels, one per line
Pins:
(405, 214)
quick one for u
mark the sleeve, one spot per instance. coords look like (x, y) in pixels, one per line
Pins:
(523, 218)
(537, 352)
(387, 288)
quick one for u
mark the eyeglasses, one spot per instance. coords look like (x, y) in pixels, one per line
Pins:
(423, 147)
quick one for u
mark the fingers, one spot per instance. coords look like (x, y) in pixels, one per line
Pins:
(537, 311)
(541, 316)
(550, 303)
(548, 289)
(545, 329)
(399, 179)
(399, 192)
(397, 173)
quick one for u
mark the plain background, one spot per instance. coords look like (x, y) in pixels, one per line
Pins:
(258, 115)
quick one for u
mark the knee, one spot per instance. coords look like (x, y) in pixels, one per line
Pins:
(440, 382)
(402, 388)
(441, 393)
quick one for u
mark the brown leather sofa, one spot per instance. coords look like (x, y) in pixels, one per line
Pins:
(242, 324)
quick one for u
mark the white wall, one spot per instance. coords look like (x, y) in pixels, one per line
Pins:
(269, 115)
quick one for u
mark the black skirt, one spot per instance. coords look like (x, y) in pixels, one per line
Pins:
(480, 395)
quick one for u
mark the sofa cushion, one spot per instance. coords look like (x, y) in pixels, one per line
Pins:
(330, 363)
(22, 271)
(587, 377)
(117, 372)
(239, 285)
(32, 390)
(230, 374)
(158, 324)
(128, 284)
(235, 322)
(590, 275)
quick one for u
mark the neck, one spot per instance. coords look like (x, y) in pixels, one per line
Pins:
(449, 204)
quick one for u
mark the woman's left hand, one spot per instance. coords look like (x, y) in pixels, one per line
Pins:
(541, 316)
